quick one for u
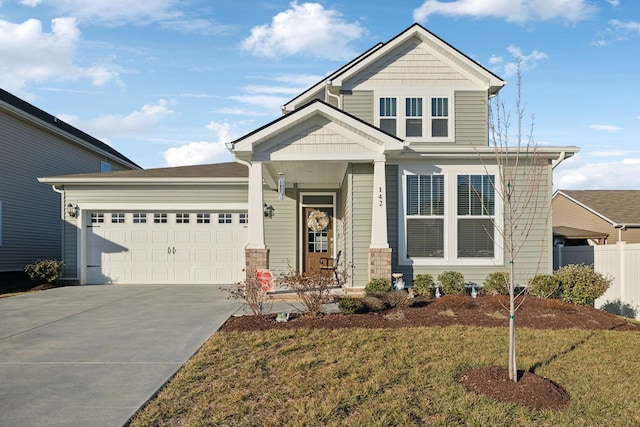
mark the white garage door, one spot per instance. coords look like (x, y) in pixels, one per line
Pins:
(165, 247)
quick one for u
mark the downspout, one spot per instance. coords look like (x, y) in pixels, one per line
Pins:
(327, 92)
(563, 156)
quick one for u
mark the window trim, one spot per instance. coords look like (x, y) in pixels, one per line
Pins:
(451, 216)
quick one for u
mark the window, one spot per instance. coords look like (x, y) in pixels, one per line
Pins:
(104, 166)
(413, 114)
(182, 218)
(117, 218)
(439, 117)
(425, 216)
(224, 218)
(476, 213)
(159, 218)
(244, 218)
(97, 218)
(139, 218)
(388, 115)
(203, 218)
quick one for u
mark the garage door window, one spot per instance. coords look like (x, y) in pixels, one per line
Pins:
(203, 218)
(159, 218)
(224, 218)
(139, 218)
(244, 218)
(182, 218)
(117, 218)
(97, 218)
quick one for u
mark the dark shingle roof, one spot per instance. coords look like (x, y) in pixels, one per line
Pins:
(619, 206)
(54, 121)
(215, 170)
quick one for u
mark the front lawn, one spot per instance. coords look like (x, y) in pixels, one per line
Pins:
(405, 376)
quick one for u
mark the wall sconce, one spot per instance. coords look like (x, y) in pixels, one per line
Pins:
(268, 211)
(72, 210)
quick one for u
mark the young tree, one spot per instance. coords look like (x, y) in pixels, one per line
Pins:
(521, 173)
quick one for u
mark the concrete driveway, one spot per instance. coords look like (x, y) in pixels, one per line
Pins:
(92, 355)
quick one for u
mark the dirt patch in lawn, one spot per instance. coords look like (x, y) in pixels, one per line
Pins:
(531, 390)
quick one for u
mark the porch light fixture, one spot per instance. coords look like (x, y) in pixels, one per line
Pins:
(268, 211)
(72, 210)
(281, 186)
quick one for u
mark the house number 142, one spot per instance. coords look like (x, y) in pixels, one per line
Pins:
(380, 198)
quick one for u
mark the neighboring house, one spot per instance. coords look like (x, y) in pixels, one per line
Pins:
(373, 163)
(596, 217)
(33, 144)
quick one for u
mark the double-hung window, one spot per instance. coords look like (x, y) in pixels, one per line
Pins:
(413, 117)
(388, 115)
(425, 216)
(476, 216)
(439, 117)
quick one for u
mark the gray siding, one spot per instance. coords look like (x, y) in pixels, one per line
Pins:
(31, 211)
(167, 194)
(361, 205)
(360, 104)
(347, 231)
(280, 232)
(471, 117)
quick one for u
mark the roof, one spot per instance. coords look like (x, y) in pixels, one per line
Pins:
(618, 207)
(52, 121)
(577, 233)
(214, 171)
(382, 49)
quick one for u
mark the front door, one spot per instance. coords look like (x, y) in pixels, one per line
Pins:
(318, 237)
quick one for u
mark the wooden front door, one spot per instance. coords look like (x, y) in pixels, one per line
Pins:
(318, 237)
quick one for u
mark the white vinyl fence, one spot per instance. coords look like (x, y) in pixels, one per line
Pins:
(620, 261)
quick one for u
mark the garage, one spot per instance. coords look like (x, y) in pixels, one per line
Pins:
(187, 247)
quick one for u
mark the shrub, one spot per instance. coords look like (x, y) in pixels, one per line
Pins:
(349, 305)
(544, 286)
(374, 303)
(496, 283)
(250, 291)
(580, 284)
(44, 271)
(380, 284)
(398, 299)
(423, 284)
(451, 282)
(313, 291)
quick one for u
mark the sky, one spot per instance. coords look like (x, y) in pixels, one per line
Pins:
(169, 82)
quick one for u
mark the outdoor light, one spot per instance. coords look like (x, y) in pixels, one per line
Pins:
(72, 211)
(268, 211)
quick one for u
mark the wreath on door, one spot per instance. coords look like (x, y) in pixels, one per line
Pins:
(317, 221)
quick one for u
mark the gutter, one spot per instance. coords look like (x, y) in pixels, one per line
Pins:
(563, 157)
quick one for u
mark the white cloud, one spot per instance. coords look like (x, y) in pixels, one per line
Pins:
(613, 2)
(108, 126)
(578, 174)
(606, 128)
(519, 11)
(527, 62)
(29, 54)
(617, 31)
(307, 29)
(197, 153)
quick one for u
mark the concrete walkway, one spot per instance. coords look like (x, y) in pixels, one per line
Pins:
(92, 355)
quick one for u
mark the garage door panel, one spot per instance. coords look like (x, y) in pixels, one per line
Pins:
(149, 252)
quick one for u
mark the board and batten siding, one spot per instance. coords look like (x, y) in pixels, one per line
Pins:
(359, 103)
(31, 211)
(280, 232)
(471, 118)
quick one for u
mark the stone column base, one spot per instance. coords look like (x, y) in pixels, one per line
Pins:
(379, 263)
(255, 259)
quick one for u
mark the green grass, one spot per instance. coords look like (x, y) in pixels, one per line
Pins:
(357, 377)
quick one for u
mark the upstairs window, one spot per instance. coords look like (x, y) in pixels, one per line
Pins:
(413, 113)
(439, 117)
(388, 115)
(104, 166)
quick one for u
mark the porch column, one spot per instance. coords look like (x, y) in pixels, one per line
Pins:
(256, 253)
(379, 251)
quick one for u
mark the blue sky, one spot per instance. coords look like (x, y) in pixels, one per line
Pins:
(168, 82)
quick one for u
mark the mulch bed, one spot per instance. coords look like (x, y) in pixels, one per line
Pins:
(531, 390)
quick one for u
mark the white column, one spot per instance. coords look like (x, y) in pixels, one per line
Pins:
(379, 211)
(256, 207)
